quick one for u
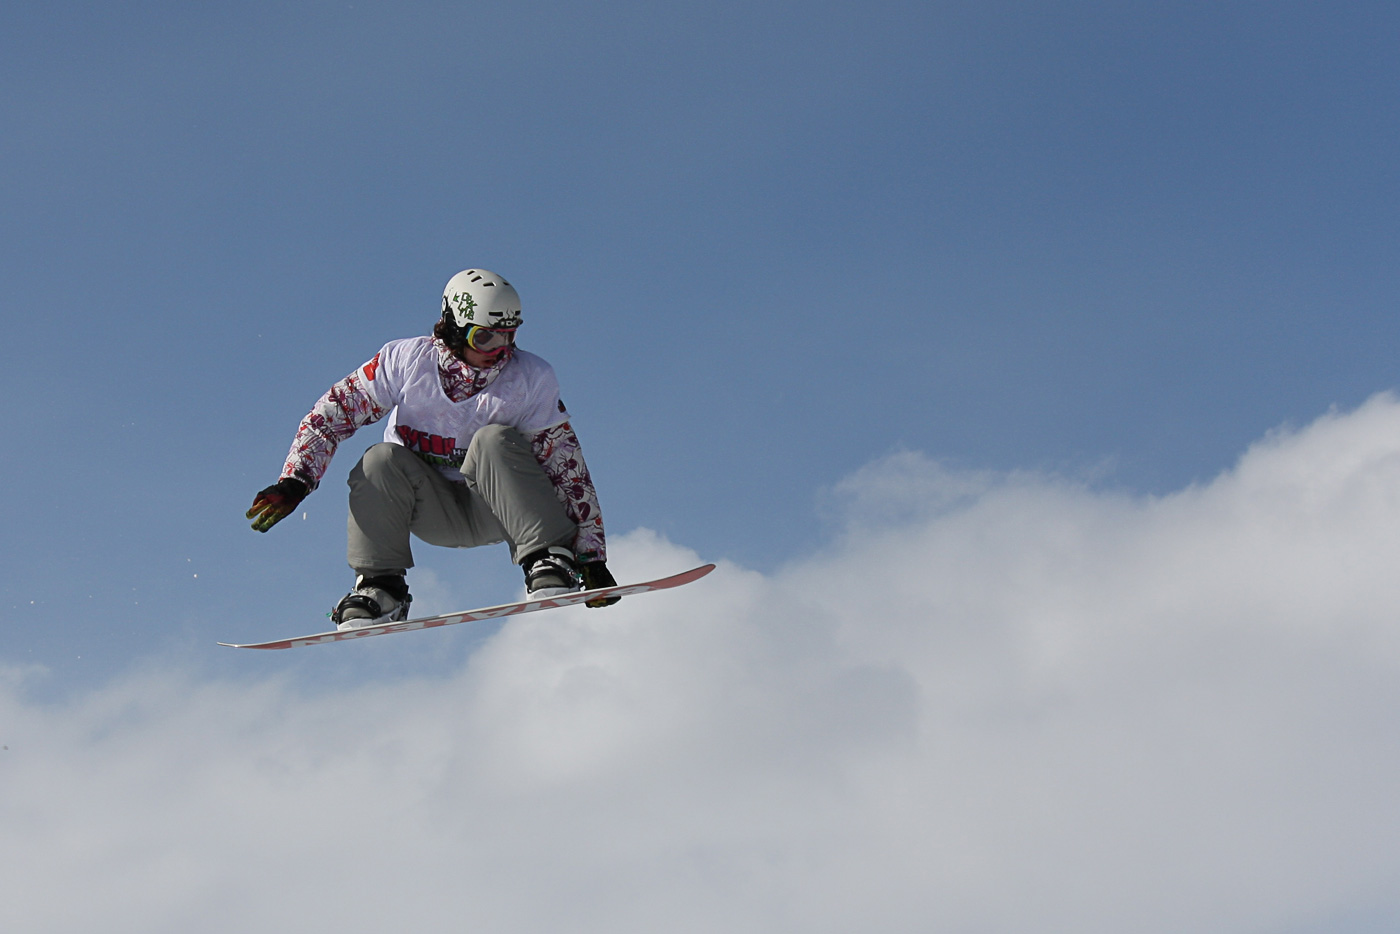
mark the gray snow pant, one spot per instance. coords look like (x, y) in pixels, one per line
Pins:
(507, 498)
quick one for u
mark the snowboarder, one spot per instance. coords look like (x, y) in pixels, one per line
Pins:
(477, 450)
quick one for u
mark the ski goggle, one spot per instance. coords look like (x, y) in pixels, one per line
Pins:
(488, 339)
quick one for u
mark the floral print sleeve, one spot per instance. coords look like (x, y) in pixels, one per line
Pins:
(557, 450)
(346, 407)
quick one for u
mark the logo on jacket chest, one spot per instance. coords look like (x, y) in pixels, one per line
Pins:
(433, 448)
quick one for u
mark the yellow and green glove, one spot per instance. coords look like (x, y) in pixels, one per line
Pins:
(596, 575)
(276, 503)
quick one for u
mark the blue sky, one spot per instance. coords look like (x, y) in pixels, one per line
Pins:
(762, 245)
(765, 246)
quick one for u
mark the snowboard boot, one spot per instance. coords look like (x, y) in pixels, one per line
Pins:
(550, 572)
(374, 600)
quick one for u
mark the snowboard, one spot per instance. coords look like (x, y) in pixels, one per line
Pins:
(490, 612)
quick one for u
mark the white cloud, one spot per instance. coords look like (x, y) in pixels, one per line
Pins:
(992, 704)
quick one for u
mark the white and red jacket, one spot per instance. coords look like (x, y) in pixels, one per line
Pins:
(436, 402)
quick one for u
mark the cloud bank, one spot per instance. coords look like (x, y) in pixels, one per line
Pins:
(992, 703)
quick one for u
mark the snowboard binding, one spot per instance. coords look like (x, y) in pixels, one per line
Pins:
(374, 600)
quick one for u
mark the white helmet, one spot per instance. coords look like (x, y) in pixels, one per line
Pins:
(481, 298)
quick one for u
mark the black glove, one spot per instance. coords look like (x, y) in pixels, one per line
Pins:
(277, 502)
(596, 575)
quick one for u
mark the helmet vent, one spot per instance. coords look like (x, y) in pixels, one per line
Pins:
(489, 285)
